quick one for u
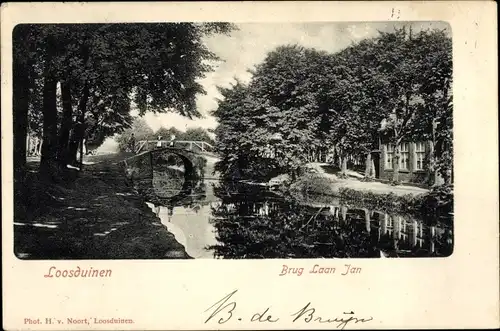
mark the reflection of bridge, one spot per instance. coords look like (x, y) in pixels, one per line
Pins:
(194, 146)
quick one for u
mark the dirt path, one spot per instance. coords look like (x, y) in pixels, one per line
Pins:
(354, 182)
(97, 216)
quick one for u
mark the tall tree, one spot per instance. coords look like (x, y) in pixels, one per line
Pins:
(338, 95)
(298, 99)
(48, 165)
(396, 55)
(157, 64)
(285, 89)
(419, 70)
(233, 131)
(24, 74)
(433, 49)
(368, 101)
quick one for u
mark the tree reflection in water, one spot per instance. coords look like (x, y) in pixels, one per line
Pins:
(253, 223)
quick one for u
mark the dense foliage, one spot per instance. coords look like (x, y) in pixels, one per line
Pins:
(301, 100)
(312, 184)
(78, 81)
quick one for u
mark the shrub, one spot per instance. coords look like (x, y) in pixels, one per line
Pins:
(311, 183)
(438, 203)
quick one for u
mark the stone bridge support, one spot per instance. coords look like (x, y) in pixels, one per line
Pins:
(141, 166)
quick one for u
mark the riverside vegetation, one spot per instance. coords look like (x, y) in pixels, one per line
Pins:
(435, 205)
(76, 83)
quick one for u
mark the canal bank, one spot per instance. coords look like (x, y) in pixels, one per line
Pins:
(100, 215)
(97, 215)
(355, 182)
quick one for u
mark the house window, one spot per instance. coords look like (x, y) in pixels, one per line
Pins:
(390, 222)
(405, 156)
(420, 230)
(389, 156)
(420, 155)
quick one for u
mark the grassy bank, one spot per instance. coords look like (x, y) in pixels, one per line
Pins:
(430, 205)
(96, 215)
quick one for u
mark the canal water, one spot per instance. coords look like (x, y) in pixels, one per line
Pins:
(188, 216)
(215, 219)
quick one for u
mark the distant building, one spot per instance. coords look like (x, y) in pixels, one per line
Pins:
(413, 161)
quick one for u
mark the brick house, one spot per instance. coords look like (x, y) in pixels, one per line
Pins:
(413, 161)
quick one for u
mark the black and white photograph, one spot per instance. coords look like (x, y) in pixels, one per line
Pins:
(213, 140)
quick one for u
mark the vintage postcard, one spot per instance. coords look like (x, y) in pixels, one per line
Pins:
(299, 165)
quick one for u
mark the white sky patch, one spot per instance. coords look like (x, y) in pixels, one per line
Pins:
(156, 121)
(247, 47)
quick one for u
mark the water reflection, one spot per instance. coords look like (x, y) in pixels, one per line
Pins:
(190, 228)
(234, 220)
(256, 224)
(186, 216)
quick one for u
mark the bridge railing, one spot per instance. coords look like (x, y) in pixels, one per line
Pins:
(199, 146)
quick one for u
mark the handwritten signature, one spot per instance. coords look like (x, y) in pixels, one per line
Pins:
(224, 310)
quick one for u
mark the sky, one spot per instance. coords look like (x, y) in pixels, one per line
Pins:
(248, 46)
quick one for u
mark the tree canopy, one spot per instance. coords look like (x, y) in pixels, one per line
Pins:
(100, 70)
(301, 99)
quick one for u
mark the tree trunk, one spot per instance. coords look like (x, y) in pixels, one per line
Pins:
(20, 105)
(66, 124)
(81, 152)
(73, 145)
(20, 119)
(48, 162)
(368, 166)
(332, 159)
(339, 158)
(433, 173)
(395, 164)
(343, 168)
(86, 146)
(79, 128)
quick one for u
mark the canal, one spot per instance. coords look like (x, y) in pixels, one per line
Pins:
(215, 219)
